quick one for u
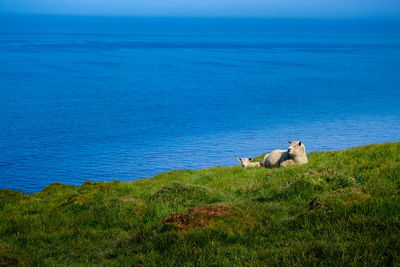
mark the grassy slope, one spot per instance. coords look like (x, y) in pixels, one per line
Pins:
(341, 208)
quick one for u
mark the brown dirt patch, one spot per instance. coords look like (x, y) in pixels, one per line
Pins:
(198, 216)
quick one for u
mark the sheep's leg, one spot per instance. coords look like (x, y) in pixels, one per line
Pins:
(287, 163)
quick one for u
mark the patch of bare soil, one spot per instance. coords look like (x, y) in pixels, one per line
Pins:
(198, 216)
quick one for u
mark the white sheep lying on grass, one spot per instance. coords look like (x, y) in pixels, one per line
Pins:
(295, 154)
(245, 162)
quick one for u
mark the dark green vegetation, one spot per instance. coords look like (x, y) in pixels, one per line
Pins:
(343, 208)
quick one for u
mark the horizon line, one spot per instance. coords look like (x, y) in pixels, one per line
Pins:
(375, 18)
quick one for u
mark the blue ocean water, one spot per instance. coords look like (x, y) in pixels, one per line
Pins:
(105, 98)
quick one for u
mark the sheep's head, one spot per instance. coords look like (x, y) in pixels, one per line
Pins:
(296, 148)
(244, 161)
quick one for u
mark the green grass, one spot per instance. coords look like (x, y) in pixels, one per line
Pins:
(342, 208)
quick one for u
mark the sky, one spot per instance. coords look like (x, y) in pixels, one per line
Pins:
(389, 9)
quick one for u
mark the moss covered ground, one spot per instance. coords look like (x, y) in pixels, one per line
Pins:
(342, 208)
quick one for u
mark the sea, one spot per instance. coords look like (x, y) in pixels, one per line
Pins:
(124, 98)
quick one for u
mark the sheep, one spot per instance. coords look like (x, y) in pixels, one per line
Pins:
(245, 162)
(295, 154)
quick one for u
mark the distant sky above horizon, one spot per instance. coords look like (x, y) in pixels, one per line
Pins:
(389, 9)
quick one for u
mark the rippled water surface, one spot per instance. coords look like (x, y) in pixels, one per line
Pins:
(136, 98)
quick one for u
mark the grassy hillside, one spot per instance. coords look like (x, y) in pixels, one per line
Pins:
(343, 208)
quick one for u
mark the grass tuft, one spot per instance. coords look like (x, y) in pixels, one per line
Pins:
(185, 195)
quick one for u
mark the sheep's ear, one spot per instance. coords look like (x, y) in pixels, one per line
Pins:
(290, 142)
(239, 159)
(250, 159)
(300, 143)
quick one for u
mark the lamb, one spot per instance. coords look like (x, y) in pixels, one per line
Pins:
(245, 162)
(295, 154)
